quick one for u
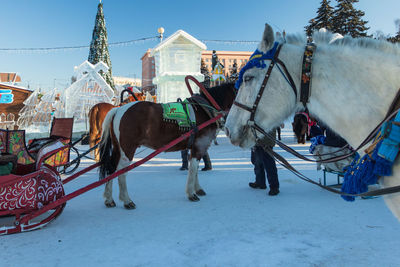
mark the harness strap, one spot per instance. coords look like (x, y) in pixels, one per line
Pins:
(287, 76)
(203, 103)
(192, 125)
(287, 165)
(305, 83)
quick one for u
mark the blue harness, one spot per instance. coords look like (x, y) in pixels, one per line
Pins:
(366, 170)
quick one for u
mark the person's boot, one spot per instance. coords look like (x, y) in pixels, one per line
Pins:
(273, 191)
(207, 162)
(184, 155)
(183, 168)
(257, 186)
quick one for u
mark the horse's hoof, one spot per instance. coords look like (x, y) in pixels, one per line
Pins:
(200, 192)
(194, 198)
(130, 206)
(110, 204)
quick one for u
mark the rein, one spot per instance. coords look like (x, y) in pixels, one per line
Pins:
(209, 97)
(208, 109)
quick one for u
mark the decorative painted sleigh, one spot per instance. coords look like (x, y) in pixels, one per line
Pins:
(28, 188)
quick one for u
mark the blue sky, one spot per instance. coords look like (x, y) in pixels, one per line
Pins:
(55, 23)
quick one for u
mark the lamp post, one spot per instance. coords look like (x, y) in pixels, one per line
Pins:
(161, 32)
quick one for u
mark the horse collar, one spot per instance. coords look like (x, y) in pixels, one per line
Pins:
(306, 70)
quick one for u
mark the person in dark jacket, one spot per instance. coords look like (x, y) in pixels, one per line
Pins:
(264, 162)
(332, 139)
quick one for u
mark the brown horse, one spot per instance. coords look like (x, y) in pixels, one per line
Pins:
(121, 137)
(300, 127)
(96, 117)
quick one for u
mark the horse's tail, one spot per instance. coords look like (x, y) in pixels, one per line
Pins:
(109, 146)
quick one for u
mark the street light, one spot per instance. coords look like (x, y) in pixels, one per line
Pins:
(160, 31)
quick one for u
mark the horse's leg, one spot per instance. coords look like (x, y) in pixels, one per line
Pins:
(191, 181)
(123, 193)
(199, 191)
(123, 189)
(109, 201)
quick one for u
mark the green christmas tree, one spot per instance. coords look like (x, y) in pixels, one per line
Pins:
(99, 46)
(396, 38)
(348, 20)
(322, 20)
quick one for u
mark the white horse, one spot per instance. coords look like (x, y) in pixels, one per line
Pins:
(354, 82)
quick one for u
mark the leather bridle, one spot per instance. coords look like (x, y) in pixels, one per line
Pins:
(274, 61)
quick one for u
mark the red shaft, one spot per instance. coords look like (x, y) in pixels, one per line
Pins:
(80, 191)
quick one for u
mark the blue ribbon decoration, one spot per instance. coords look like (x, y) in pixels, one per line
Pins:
(256, 60)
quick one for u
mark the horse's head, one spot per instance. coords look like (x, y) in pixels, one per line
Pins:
(300, 127)
(277, 101)
(223, 94)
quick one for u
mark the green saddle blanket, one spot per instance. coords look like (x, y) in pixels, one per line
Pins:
(180, 113)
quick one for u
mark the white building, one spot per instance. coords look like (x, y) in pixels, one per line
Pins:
(176, 57)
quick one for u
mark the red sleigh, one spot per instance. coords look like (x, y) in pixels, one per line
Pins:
(30, 187)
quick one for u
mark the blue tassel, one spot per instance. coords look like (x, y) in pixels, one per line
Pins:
(383, 167)
(348, 183)
(358, 177)
(366, 171)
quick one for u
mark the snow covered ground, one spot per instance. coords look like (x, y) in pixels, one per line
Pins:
(233, 225)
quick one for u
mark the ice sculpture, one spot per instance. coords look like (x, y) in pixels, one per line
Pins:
(89, 89)
(177, 56)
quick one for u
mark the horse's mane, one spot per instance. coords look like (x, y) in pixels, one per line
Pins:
(219, 92)
(334, 39)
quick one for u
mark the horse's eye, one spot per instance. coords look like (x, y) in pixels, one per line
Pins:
(248, 78)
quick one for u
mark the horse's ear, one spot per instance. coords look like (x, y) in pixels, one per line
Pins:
(267, 40)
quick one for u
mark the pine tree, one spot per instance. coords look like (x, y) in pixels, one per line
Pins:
(206, 73)
(99, 46)
(347, 20)
(396, 38)
(322, 20)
